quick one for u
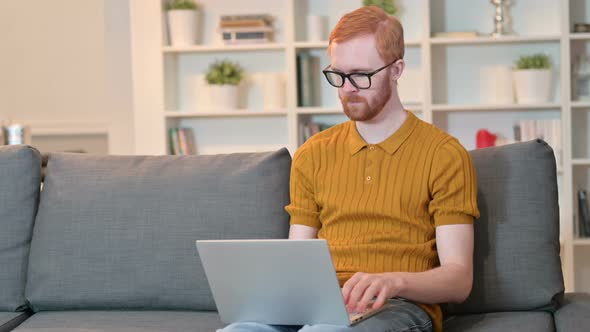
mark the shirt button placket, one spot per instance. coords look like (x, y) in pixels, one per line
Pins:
(368, 177)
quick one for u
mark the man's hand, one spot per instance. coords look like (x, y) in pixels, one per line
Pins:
(359, 290)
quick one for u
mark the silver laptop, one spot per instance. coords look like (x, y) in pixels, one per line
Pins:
(278, 282)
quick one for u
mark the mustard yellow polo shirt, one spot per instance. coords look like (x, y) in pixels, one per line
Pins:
(377, 205)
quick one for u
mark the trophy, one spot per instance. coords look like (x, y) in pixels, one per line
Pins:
(501, 18)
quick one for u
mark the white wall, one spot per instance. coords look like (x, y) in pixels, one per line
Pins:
(58, 66)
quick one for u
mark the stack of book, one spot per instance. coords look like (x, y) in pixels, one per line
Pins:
(308, 67)
(548, 130)
(583, 214)
(246, 29)
(182, 141)
(312, 128)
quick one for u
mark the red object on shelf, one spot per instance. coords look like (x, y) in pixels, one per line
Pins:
(485, 139)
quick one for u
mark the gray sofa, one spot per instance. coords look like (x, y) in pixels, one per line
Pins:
(108, 244)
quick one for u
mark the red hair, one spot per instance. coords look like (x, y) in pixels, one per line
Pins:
(388, 31)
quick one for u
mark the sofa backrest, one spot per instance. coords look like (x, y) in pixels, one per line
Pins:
(118, 232)
(20, 179)
(516, 263)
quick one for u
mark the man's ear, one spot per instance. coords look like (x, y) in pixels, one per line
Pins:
(397, 69)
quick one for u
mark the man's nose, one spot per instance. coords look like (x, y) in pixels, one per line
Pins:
(348, 86)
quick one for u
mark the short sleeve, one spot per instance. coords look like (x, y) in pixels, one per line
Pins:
(453, 185)
(303, 208)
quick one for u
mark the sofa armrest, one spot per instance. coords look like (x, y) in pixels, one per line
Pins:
(574, 313)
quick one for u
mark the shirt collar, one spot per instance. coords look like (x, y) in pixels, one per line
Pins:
(391, 144)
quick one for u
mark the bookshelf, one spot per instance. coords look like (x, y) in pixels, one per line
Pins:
(164, 83)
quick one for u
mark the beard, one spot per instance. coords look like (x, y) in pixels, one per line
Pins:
(362, 110)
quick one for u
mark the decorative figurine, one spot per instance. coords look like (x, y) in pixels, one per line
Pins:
(501, 18)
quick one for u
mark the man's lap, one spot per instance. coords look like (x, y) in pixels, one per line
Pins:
(401, 316)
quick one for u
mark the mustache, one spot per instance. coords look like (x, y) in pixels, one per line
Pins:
(353, 99)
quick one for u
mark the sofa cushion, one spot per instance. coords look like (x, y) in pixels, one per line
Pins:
(122, 321)
(20, 180)
(574, 313)
(10, 320)
(501, 322)
(118, 232)
(516, 262)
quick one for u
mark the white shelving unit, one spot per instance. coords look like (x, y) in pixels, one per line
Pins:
(164, 82)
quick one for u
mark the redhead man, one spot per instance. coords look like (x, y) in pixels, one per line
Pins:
(394, 196)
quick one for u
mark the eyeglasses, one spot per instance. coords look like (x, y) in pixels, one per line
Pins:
(359, 80)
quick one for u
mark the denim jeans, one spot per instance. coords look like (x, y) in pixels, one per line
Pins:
(401, 316)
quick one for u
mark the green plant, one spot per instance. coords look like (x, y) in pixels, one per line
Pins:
(180, 4)
(387, 5)
(536, 61)
(224, 72)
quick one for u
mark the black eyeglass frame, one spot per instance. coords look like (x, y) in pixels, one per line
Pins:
(351, 80)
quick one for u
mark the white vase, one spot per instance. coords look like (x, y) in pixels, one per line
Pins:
(182, 26)
(316, 25)
(273, 90)
(496, 85)
(532, 85)
(223, 97)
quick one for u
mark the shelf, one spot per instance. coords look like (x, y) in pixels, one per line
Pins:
(311, 44)
(579, 36)
(318, 110)
(222, 114)
(324, 44)
(582, 241)
(494, 40)
(581, 103)
(477, 108)
(68, 129)
(583, 162)
(223, 48)
(330, 110)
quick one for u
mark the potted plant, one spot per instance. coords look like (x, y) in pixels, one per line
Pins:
(223, 78)
(182, 22)
(387, 5)
(532, 79)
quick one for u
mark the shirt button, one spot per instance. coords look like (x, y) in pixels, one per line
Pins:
(368, 178)
(372, 147)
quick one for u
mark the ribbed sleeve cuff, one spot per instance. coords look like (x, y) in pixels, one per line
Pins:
(306, 221)
(452, 219)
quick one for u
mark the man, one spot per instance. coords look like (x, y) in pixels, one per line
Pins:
(394, 196)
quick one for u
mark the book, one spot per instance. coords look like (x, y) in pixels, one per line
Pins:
(182, 142)
(456, 34)
(174, 146)
(516, 130)
(190, 139)
(307, 84)
(583, 214)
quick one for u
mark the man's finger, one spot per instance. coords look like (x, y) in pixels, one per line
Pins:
(357, 292)
(381, 298)
(349, 285)
(369, 294)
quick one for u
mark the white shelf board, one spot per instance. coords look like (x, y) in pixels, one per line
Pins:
(311, 44)
(324, 44)
(494, 40)
(222, 114)
(491, 107)
(581, 103)
(223, 48)
(582, 242)
(331, 110)
(579, 35)
(318, 110)
(584, 162)
(68, 129)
